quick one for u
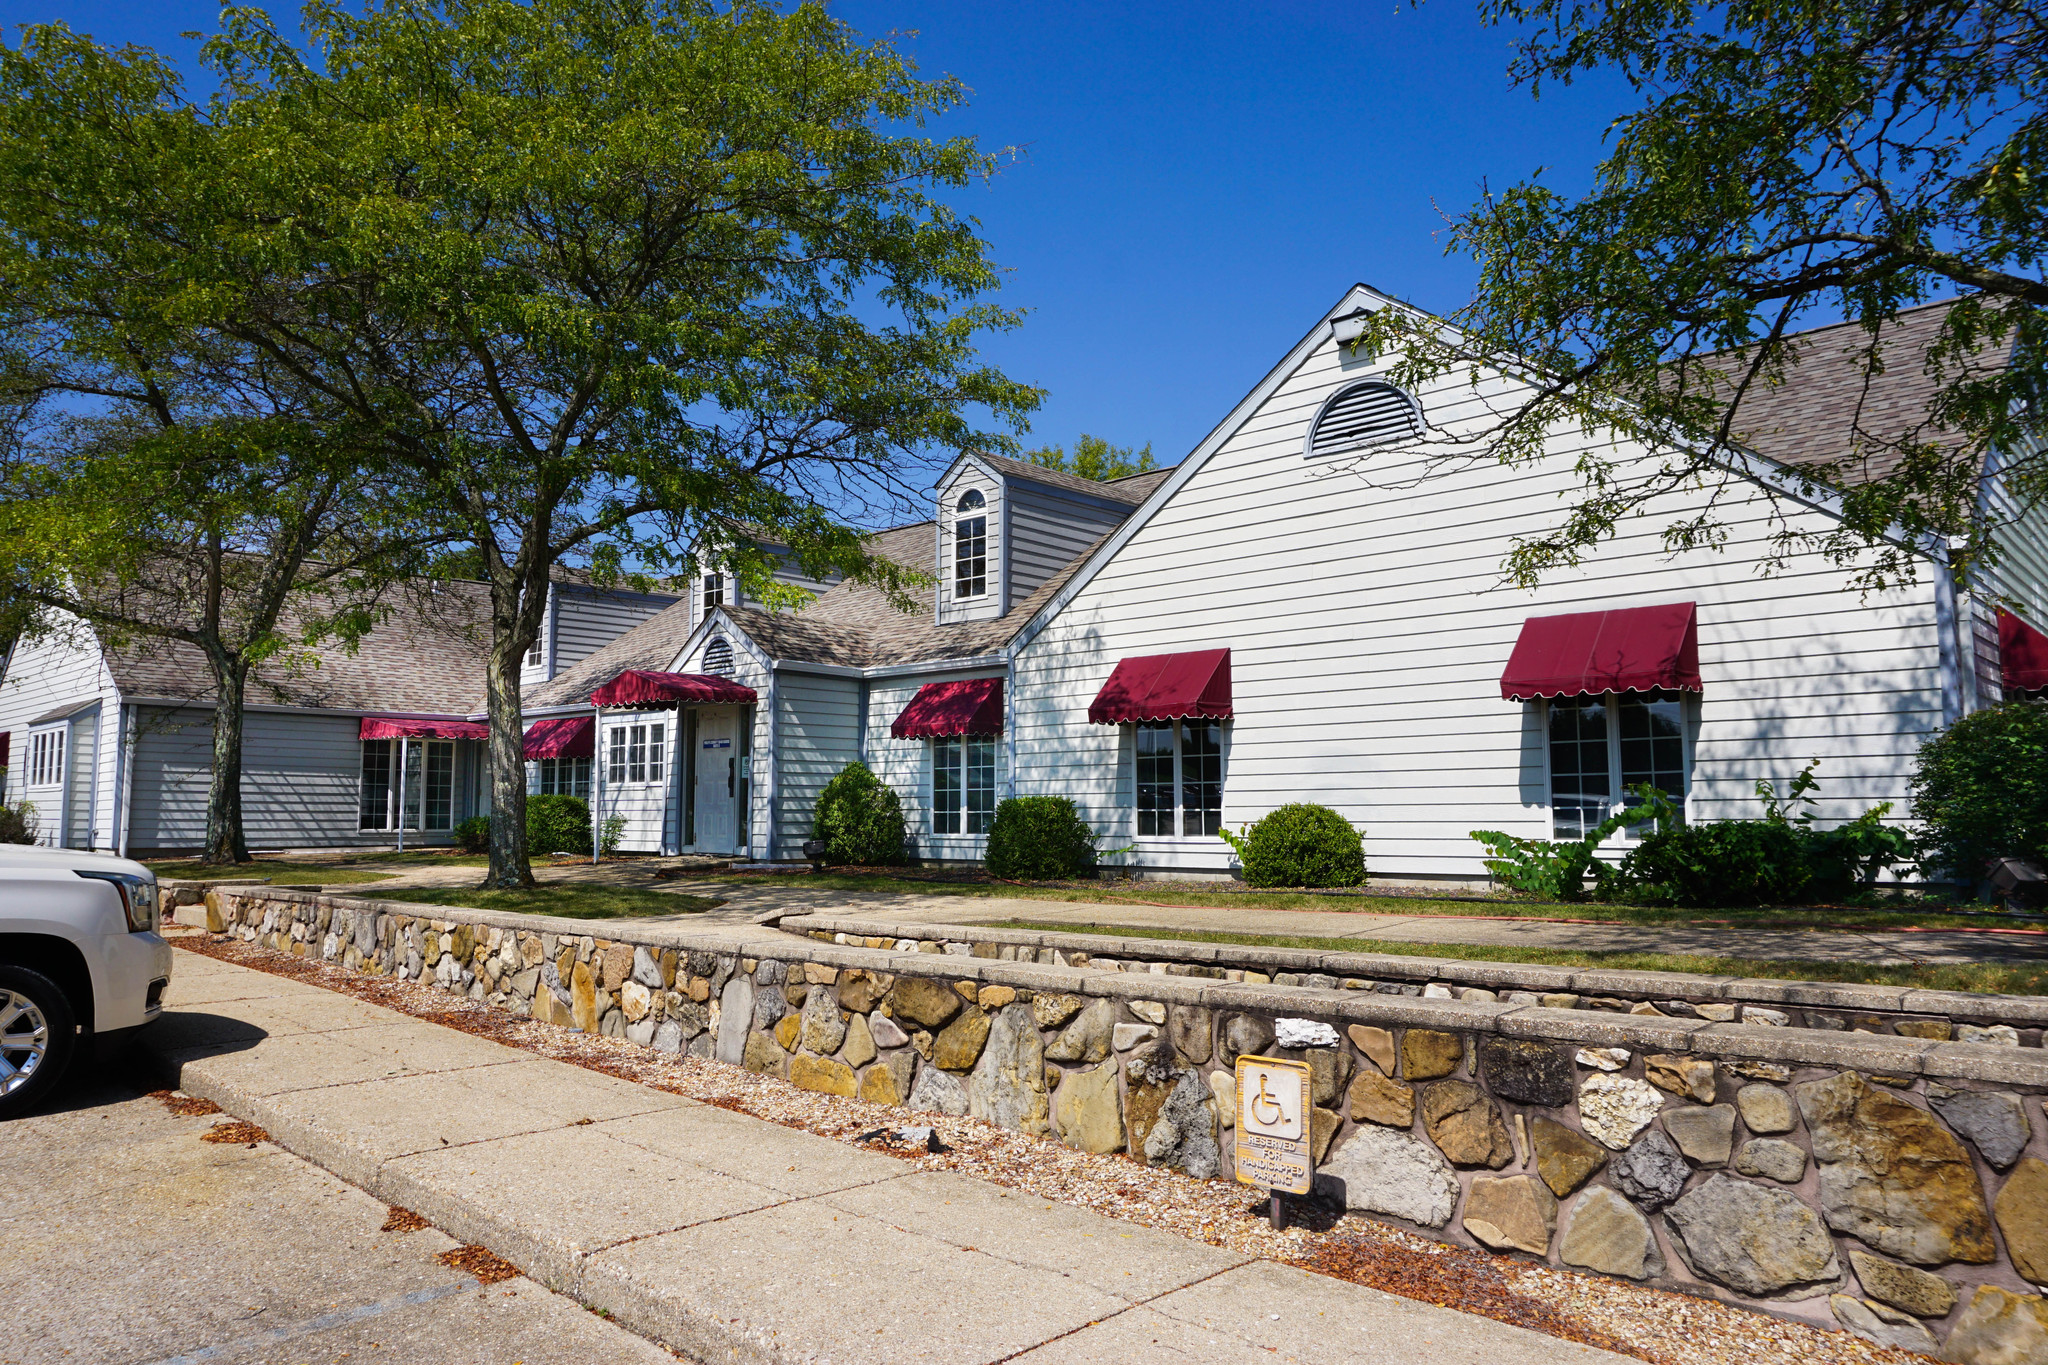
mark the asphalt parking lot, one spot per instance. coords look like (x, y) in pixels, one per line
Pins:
(130, 1240)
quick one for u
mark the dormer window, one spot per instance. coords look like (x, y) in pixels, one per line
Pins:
(714, 590)
(970, 546)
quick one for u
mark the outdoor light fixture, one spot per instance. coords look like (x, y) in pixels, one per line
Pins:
(1349, 328)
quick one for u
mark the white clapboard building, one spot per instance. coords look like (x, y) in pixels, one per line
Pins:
(1305, 609)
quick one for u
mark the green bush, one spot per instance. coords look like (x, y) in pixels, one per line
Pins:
(1300, 845)
(557, 824)
(1719, 863)
(1981, 790)
(860, 819)
(474, 834)
(18, 822)
(1039, 839)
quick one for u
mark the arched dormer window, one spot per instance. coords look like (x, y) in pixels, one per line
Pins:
(970, 546)
(1360, 416)
(718, 657)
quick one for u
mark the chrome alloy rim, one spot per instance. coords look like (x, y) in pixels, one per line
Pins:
(24, 1040)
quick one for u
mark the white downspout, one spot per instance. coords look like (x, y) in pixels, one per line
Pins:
(596, 782)
(404, 752)
(124, 776)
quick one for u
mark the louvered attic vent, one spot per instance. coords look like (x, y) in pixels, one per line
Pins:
(1363, 415)
(718, 657)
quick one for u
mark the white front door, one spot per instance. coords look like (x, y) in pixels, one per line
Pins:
(718, 780)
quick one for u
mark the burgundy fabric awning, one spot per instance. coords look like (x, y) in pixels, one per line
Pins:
(397, 727)
(1632, 649)
(638, 687)
(1165, 687)
(2022, 653)
(973, 706)
(562, 737)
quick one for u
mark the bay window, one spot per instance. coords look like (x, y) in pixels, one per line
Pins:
(1179, 778)
(1603, 744)
(963, 784)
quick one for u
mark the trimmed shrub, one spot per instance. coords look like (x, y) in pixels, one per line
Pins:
(1720, 863)
(1301, 845)
(860, 818)
(1039, 839)
(1980, 790)
(557, 824)
(18, 822)
(474, 834)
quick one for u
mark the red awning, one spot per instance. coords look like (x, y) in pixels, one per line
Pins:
(2022, 653)
(562, 737)
(970, 707)
(398, 727)
(1165, 687)
(637, 687)
(1634, 649)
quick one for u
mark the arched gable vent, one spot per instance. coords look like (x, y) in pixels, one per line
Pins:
(718, 657)
(1361, 415)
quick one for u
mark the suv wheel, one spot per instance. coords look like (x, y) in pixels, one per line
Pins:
(37, 1037)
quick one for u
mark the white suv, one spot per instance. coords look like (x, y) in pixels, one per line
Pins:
(80, 957)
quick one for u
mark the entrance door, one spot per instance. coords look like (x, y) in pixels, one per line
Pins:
(718, 780)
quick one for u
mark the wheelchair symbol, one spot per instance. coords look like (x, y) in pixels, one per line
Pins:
(1266, 1099)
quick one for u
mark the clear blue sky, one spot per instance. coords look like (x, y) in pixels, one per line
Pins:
(1199, 182)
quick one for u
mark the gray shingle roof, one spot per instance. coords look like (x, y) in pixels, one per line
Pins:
(427, 657)
(1830, 412)
(651, 645)
(1131, 489)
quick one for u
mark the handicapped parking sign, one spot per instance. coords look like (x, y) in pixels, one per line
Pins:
(1272, 1124)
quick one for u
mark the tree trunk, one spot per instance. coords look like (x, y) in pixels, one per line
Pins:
(509, 869)
(224, 839)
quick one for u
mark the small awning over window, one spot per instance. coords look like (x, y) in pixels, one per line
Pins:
(1634, 649)
(396, 727)
(562, 737)
(1165, 687)
(940, 710)
(638, 687)
(2022, 653)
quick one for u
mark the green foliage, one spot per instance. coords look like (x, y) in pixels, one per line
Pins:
(1094, 458)
(18, 822)
(1039, 839)
(1300, 845)
(557, 824)
(860, 818)
(1718, 863)
(1980, 790)
(474, 834)
(1557, 868)
(1773, 167)
(610, 832)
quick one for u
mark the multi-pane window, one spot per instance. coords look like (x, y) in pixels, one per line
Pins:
(1179, 778)
(46, 758)
(559, 777)
(535, 654)
(637, 753)
(1602, 745)
(429, 775)
(963, 784)
(970, 547)
(714, 590)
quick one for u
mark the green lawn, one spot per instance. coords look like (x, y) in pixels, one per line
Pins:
(280, 873)
(1998, 978)
(1364, 903)
(557, 898)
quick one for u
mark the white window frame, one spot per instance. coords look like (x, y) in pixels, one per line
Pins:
(45, 766)
(408, 761)
(714, 592)
(1179, 820)
(1688, 729)
(636, 754)
(963, 514)
(559, 777)
(960, 813)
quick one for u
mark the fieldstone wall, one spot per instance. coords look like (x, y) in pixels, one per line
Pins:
(1887, 1174)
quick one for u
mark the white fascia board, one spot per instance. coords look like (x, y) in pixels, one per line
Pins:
(274, 708)
(828, 670)
(979, 663)
(1355, 297)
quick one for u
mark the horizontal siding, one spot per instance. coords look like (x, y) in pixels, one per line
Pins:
(1047, 532)
(906, 766)
(586, 620)
(1369, 626)
(751, 671)
(59, 669)
(989, 605)
(301, 781)
(817, 734)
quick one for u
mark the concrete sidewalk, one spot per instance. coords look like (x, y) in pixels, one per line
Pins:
(731, 1238)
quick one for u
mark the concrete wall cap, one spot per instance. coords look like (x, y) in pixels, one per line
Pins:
(1599, 1028)
(1813, 1047)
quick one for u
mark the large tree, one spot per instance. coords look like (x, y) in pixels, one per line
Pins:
(594, 281)
(1786, 165)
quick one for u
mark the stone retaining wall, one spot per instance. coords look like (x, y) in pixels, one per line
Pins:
(1895, 1183)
